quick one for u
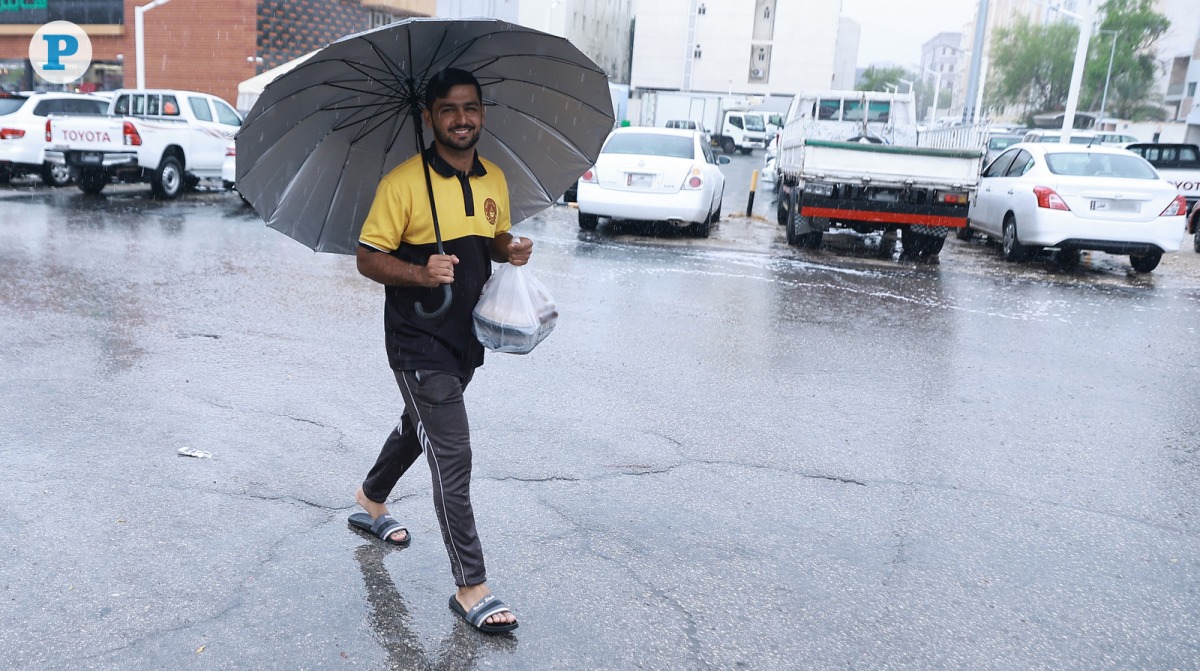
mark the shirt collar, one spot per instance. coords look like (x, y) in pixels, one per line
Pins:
(441, 167)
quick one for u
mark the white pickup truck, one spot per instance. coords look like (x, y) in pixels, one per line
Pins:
(171, 139)
(1179, 164)
(853, 159)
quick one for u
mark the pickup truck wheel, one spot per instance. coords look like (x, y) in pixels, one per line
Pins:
(728, 146)
(588, 222)
(55, 174)
(92, 181)
(1011, 246)
(167, 181)
(1144, 263)
(746, 150)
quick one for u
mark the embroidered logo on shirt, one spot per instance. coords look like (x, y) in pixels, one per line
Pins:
(490, 211)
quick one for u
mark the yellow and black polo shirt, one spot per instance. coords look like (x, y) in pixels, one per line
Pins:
(472, 208)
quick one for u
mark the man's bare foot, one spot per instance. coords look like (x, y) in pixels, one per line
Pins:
(375, 510)
(473, 594)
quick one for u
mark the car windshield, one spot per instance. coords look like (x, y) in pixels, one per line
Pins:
(755, 122)
(10, 105)
(998, 143)
(1099, 165)
(1075, 139)
(653, 144)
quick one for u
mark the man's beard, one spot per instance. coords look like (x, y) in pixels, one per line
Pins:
(461, 143)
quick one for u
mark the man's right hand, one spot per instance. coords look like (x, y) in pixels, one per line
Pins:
(439, 270)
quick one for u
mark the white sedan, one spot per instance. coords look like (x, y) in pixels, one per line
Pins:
(23, 132)
(1073, 198)
(654, 174)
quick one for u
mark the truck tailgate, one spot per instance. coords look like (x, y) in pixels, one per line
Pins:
(1187, 180)
(87, 133)
(887, 165)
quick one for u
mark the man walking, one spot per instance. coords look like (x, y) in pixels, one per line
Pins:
(434, 359)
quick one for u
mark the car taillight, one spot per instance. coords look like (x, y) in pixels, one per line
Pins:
(231, 150)
(47, 130)
(11, 133)
(694, 181)
(589, 176)
(1177, 208)
(1048, 199)
(952, 198)
(131, 135)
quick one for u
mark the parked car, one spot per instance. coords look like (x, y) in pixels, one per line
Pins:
(1073, 198)
(229, 167)
(654, 174)
(687, 124)
(23, 132)
(1179, 164)
(1077, 136)
(997, 144)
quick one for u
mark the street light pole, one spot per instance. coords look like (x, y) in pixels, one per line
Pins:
(1081, 48)
(139, 39)
(1111, 54)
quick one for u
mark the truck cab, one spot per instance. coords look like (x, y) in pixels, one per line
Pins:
(741, 131)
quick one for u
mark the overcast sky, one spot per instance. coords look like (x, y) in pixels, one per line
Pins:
(893, 30)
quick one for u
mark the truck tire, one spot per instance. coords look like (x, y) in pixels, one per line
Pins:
(921, 245)
(746, 150)
(811, 239)
(91, 180)
(727, 145)
(1011, 246)
(1144, 263)
(167, 181)
(588, 222)
(1196, 242)
(55, 174)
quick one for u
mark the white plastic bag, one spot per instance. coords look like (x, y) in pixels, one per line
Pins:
(515, 311)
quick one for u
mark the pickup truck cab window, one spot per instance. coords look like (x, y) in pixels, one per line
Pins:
(226, 115)
(152, 102)
(200, 108)
(829, 110)
(170, 107)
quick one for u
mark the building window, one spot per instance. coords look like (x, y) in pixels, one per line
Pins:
(1191, 89)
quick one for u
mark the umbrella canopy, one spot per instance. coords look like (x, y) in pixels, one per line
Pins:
(316, 143)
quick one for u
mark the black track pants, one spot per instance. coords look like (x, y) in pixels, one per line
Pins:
(435, 422)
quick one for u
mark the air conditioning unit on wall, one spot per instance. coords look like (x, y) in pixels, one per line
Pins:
(757, 73)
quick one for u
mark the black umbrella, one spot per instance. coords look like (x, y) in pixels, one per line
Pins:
(316, 143)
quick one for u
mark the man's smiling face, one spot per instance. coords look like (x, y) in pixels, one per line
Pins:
(457, 119)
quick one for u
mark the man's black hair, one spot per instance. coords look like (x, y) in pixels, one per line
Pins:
(440, 84)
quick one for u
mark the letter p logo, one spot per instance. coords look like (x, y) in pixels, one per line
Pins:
(60, 52)
(58, 46)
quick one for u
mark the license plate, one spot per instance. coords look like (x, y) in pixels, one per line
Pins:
(1116, 206)
(89, 157)
(639, 179)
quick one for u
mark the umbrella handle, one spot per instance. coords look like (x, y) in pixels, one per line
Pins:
(441, 310)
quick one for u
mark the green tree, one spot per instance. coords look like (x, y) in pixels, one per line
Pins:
(873, 78)
(1031, 65)
(1135, 27)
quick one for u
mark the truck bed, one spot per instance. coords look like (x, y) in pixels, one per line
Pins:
(886, 165)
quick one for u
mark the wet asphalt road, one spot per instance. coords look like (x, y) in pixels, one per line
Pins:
(730, 454)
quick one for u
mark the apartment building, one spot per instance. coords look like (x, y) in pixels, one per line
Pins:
(601, 29)
(742, 47)
(209, 46)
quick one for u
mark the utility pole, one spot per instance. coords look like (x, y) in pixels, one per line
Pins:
(973, 85)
